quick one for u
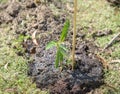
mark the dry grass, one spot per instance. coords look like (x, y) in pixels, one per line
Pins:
(99, 15)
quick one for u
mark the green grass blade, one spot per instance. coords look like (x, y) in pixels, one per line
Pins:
(50, 45)
(65, 31)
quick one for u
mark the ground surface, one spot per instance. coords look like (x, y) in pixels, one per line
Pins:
(93, 16)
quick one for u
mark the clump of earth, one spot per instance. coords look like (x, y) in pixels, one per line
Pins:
(87, 75)
(115, 2)
(25, 18)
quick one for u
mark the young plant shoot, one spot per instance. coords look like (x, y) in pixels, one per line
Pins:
(61, 50)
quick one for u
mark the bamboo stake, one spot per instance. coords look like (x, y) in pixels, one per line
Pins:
(74, 34)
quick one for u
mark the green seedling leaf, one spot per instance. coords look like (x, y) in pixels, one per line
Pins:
(65, 31)
(27, 37)
(51, 44)
(63, 47)
(21, 38)
(63, 51)
(59, 58)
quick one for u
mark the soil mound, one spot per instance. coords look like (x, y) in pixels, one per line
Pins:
(27, 17)
(88, 73)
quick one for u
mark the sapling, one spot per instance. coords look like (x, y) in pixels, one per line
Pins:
(61, 50)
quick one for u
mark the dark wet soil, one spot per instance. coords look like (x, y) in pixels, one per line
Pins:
(25, 18)
(114, 2)
(87, 75)
(102, 33)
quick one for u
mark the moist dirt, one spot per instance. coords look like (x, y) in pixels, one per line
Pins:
(25, 18)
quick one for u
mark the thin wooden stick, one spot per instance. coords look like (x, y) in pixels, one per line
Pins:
(111, 41)
(74, 34)
(103, 61)
(34, 39)
(115, 61)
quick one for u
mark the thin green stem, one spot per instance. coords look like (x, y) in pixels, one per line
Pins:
(74, 34)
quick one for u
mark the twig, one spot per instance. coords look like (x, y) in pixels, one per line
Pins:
(111, 86)
(34, 39)
(103, 61)
(6, 66)
(111, 41)
(115, 61)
